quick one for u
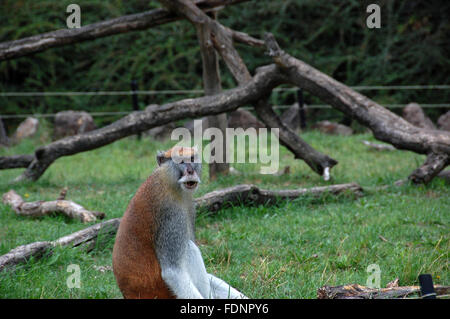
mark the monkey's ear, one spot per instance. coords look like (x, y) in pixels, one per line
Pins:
(160, 158)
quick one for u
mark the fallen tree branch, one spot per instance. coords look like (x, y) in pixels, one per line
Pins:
(248, 194)
(86, 238)
(433, 165)
(246, 39)
(15, 161)
(356, 291)
(41, 208)
(132, 22)
(214, 201)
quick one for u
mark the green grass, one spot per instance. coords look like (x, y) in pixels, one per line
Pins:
(283, 251)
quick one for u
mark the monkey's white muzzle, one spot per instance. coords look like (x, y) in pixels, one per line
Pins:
(189, 182)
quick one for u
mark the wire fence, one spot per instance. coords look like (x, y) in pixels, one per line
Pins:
(201, 92)
(182, 92)
(312, 106)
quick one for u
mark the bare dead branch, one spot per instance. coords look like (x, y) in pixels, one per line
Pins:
(133, 22)
(16, 161)
(86, 238)
(355, 291)
(433, 165)
(248, 194)
(242, 37)
(41, 208)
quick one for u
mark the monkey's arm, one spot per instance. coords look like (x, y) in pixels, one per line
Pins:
(180, 283)
(222, 290)
(172, 248)
(209, 285)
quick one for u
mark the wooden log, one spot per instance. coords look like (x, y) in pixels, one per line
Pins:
(23, 253)
(434, 164)
(86, 238)
(41, 208)
(16, 161)
(355, 291)
(212, 202)
(127, 23)
(248, 194)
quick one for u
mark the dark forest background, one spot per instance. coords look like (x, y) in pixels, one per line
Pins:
(412, 47)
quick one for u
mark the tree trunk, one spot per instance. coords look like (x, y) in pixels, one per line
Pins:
(4, 140)
(212, 85)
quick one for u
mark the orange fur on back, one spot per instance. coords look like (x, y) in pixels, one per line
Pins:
(135, 264)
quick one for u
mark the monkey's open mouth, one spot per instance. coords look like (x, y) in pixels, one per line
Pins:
(190, 184)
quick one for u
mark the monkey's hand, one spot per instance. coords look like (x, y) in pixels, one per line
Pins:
(222, 290)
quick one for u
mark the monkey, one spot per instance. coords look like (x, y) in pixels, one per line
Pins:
(154, 254)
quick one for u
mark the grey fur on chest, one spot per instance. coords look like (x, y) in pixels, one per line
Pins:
(173, 234)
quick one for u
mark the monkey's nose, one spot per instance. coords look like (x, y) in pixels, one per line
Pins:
(189, 169)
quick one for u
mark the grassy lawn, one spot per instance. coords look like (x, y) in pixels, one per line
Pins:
(283, 251)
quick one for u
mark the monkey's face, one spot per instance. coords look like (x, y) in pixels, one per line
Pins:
(189, 172)
(184, 165)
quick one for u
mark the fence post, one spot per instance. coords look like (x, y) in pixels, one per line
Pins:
(426, 287)
(134, 88)
(4, 140)
(301, 109)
